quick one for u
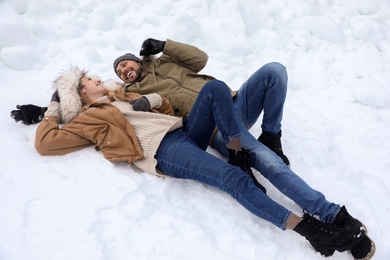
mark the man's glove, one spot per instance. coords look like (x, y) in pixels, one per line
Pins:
(28, 114)
(151, 46)
(140, 104)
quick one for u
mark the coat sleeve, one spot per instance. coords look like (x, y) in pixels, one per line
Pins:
(185, 55)
(51, 140)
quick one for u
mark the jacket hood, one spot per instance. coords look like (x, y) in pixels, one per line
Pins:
(67, 85)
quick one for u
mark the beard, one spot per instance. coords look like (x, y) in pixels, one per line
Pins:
(138, 73)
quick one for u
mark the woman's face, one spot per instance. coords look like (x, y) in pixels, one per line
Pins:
(92, 88)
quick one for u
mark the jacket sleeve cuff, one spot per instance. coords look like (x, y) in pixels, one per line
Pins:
(155, 100)
(167, 45)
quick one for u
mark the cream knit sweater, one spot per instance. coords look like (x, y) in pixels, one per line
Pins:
(150, 129)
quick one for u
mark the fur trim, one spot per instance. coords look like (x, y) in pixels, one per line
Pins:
(67, 86)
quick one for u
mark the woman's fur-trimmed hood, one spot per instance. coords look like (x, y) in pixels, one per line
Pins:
(67, 85)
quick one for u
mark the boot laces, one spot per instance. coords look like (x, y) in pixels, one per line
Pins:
(322, 226)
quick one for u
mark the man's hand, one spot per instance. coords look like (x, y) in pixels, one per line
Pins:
(140, 104)
(151, 46)
(28, 114)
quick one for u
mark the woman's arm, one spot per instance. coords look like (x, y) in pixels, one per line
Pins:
(159, 104)
(51, 140)
(166, 107)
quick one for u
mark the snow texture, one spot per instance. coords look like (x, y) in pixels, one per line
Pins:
(80, 206)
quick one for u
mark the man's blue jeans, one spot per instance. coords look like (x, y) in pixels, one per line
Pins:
(265, 91)
(181, 154)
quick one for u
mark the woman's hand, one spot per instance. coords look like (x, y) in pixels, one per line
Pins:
(140, 104)
(28, 114)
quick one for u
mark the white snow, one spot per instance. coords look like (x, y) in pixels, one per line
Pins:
(80, 206)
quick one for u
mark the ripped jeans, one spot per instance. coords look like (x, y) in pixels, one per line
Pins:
(182, 154)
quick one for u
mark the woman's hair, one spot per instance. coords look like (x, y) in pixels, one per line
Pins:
(83, 98)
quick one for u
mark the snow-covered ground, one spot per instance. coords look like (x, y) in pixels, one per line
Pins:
(80, 206)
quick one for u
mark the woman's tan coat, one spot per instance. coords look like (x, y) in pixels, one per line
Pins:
(99, 124)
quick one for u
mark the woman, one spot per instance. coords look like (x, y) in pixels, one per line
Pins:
(141, 129)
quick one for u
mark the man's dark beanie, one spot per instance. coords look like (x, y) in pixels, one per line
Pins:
(127, 56)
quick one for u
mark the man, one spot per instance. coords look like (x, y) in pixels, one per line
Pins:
(175, 75)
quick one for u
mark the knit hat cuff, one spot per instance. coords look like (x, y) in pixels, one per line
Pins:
(127, 56)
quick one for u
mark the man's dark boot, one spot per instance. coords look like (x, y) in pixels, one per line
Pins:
(326, 237)
(273, 142)
(365, 249)
(241, 159)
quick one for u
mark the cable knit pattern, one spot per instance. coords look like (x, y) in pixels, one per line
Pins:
(150, 129)
(155, 100)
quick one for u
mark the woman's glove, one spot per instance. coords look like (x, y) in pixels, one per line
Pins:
(151, 46)
(140, 104)
(55, 97)
(54, 107)
(28, 114)
(31, 114)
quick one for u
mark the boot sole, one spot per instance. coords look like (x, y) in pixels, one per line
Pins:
(328, 251)
(369, 254)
